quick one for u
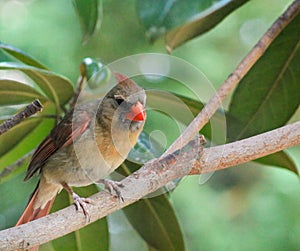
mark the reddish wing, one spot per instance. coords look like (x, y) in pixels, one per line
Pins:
(63, 134)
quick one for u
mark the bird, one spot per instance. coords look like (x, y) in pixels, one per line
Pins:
(88, 144)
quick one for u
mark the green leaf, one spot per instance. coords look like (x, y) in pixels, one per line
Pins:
(186, 108)
(4, 56)
(281, 159)
(182, 20)
(7, 111)
(145, 149)
(22, 138)
(156, 222)
(269, 94)
(13, 93)
(13, 137)
(153, 218)
(166, 117)
(89, 13)
(14, 194)
(195, 107)
(57, 88)
(92, 237)
(9, 171)
(21, 55)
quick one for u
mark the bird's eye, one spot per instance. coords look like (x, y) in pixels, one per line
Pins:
(119, 99)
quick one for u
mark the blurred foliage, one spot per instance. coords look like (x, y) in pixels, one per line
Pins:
(89, 14)
(253, 208)
(182, 20)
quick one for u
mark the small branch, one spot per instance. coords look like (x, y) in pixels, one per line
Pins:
(234, 78)
(28, 111)
(9, 169)
(80, 84)
(236, 153)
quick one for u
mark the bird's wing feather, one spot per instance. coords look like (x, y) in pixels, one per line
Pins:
(62, 135)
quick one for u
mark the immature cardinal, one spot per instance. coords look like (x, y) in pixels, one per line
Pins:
(89, 143)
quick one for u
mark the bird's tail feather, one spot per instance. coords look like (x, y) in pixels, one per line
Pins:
(31, 214)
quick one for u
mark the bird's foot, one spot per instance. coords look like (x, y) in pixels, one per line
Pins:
(113, 187)
(81, 203)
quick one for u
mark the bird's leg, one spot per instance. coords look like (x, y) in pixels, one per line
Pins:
(78, 201)
(113, 187)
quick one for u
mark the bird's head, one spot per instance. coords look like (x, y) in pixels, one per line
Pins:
(124, 104)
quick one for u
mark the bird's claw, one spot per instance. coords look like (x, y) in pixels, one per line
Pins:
(82, 203)
(113, 187)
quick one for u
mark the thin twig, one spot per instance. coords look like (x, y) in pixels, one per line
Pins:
(28, 111)
(9, 169)
(82, 80)
(232, 81)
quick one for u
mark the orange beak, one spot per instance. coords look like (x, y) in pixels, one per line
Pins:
(137, 113)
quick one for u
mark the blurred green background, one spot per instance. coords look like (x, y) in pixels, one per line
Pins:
(251, 207)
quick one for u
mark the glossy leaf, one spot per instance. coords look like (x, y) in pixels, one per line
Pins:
(25, 143)
(186, 108)
(13, 137)
(21, 55)
(13, 93)
(269, 94)
(281, 159)
(92, 237)
(57, 88)
(156, 222)
(89, 13)
(201, 23)
(182, 20)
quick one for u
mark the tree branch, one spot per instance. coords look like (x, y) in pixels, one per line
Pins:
(239, 152)
(28, 111)
(234, 78)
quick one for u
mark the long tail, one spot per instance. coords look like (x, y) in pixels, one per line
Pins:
(30, 213)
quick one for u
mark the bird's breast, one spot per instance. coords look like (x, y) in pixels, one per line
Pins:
(92, 157)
